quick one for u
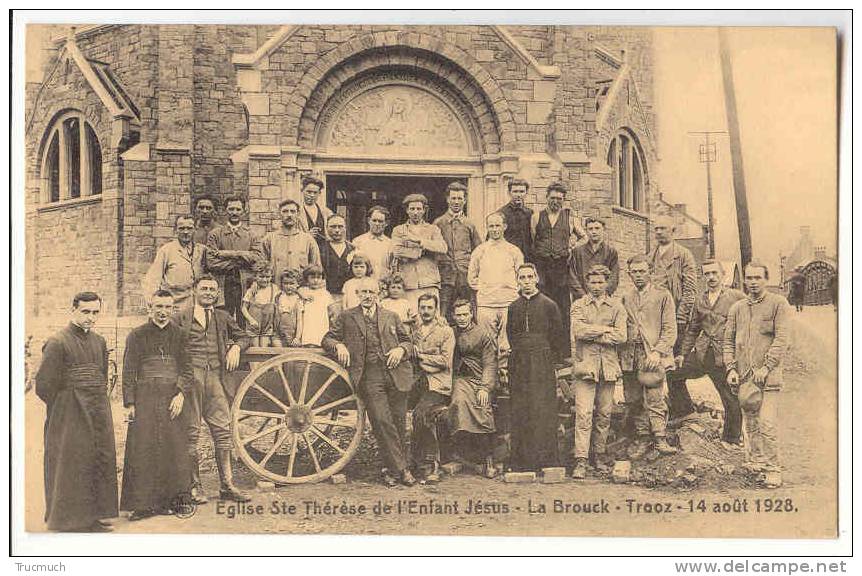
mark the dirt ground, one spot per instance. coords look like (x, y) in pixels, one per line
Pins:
(805, 507)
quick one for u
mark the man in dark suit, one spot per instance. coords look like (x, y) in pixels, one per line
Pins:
(373, 345)
(213, 341)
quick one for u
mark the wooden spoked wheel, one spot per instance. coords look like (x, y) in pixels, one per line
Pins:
(297, 418)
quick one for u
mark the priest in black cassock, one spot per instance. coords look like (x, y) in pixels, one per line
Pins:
(80, 462)
(157, 374)
(536, 336)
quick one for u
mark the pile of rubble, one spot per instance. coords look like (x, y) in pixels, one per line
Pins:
(703, 459)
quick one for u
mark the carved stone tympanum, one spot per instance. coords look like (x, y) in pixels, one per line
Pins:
(397, 119)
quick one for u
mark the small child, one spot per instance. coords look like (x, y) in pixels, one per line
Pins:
(288, 309)
(361, 267)
(395, 300)
(315, 314)
(258, 308)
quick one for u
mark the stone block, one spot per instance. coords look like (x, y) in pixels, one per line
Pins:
(452, 468)
(622, 472)
(484, 55)
(553, 475)
(338, 479)
(264, 486)
(257, 104)
(519, 477)
(544, 90)
(538, 112)
(248, 80)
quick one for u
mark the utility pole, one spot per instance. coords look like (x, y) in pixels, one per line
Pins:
(742, 221)
(707, 155)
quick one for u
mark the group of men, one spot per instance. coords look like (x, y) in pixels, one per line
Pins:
(540, 291)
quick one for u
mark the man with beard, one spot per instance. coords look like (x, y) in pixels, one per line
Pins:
(461, 239)
(157, 376)
(80, 462)
(177, 265)
(336, 255)
(214, 342)
(556, 231)
(231, 257)
(314, 216)
(535, 333)
(474, 367)
(705, 335)
(375, 244)
(519, 218)
(373, 345)
(433, 347)
(673, 267)
(204, 209)
(416, 245)
(288, 248)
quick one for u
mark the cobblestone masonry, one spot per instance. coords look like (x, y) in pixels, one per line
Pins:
(219, 115)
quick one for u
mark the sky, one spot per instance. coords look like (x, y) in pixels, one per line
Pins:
(786, 92)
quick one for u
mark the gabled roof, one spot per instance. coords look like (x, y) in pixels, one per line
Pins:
(100, 78)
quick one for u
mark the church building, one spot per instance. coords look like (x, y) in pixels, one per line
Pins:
(127, 123)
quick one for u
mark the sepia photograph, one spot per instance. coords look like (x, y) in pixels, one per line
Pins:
(393, 278)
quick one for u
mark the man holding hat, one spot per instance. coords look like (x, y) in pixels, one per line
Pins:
(416, 244)
(755, 340)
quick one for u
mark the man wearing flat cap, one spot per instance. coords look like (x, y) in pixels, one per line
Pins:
(416, 244)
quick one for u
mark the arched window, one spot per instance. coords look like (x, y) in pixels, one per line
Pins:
(72, 160)
(629, 180)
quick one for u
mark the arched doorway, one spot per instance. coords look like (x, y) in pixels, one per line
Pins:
(377, 132)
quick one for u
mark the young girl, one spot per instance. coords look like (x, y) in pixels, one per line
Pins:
(315, 314)
(258, 308)
(288, 309)
(361, 267)
(395, 300)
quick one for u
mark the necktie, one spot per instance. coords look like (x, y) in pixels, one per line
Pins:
(208, 312)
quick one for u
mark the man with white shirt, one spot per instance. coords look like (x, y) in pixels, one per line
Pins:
(314, 215)
(213, 342)
(375, 244)
(231, 256)
(493, 273)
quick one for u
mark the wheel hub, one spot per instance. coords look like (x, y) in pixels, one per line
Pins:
(299, 419)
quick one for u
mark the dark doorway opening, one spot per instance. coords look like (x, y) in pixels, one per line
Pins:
(351, 195)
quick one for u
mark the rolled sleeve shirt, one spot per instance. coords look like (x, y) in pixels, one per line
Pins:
(493, 273)
(594, 346)
(757, 334)
(461, 239)
(421, 272)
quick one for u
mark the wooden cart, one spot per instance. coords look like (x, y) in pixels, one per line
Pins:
(296, 417)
